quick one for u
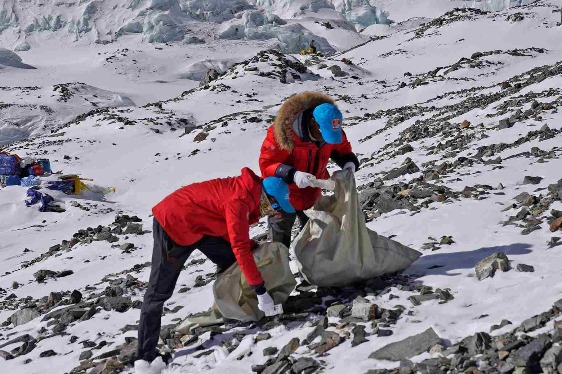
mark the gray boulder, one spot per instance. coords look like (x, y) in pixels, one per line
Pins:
(531, 180)
(551, 359)
(532, 352)
(363, 309)
(335, 310)
(23, 316)
(337, 71)
(409, 347)
(408, 167)
(305, 365)
(488, 266)
(210, 76)
(477, 343)
(280, 367)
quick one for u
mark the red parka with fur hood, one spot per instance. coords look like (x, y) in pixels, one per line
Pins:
(220, 207)
(288, 148)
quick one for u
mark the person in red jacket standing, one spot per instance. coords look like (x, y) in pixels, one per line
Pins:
(305, 135)
(214, 217)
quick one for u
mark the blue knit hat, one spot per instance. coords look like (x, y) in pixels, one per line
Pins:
(278, 189)
(330, 119)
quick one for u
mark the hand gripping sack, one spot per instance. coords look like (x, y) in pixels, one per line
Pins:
(335, 247)
(235, 298)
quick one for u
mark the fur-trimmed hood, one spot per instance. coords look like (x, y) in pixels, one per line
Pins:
(291, 108)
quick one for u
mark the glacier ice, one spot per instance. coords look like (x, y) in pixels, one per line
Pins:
(495, 5)
(161, 28)
(23, 46)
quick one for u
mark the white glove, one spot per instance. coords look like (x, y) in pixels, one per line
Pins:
(349, 166)
(302, 179)
(266, 304)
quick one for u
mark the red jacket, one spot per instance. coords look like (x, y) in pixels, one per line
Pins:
(284, 149)
(219, 207)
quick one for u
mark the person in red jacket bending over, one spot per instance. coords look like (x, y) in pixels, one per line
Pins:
(213, 217)
(305, 135)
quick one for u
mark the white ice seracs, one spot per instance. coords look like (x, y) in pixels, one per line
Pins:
(495, 5)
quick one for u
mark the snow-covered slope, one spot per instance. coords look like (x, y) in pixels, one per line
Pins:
(27, 111)
(453, 118)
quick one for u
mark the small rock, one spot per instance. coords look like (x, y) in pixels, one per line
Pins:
(477, 343)
(108, 354)
(447, 240)
(85, 355)
(532, 180)
(262, 336)
(503, 323)
(54, 297)
(288, 349)
(335, 310)
(270, 351)
(305, 365)
(128, 352)
(64, 273)
(318, 331)
(337, 71)
(505, 124)
(120, 304)
(558, 305)
(104, 235)
(59, 328)
(48, 353)
(127, 247)
(384, 332)
(25, 348)
(75, 297)
(134, 228)
(42, 275)
(554, 242)
(556, 224)
(108, 367)
(200, 137)
(525, 268)
(329, 340)
(6, 355)
(358, 335)
(406, 148)
(487, 267)
(419, 299)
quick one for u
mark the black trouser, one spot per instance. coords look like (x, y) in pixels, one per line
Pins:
(168, 259)
(281, 225)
